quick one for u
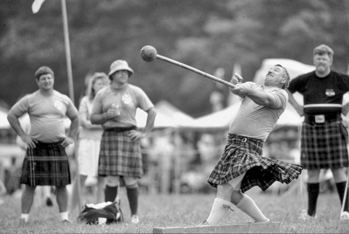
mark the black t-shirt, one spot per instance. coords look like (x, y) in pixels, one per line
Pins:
(326, 90)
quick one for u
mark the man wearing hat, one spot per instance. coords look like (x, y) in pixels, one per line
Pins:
(120, 152)
(46, 161)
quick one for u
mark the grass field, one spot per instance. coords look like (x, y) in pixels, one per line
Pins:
(179, 210)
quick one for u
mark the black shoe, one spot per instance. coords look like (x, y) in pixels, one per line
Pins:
(49, 202)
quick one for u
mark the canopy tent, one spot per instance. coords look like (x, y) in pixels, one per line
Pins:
(217, 120)
(4, 124)
(161, 121)
(178, 117)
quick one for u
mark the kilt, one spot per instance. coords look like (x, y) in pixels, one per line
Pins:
(244, 155)
(119, 155)
(46, 164)
(324, 145)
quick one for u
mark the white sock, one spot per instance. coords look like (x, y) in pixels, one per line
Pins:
(249, 207)
(64, 215)
(25, 217)
(219, 208)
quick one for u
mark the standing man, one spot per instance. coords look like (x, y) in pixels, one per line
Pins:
(242, 165)
(324, 138)
(120, 152)
(45, 162)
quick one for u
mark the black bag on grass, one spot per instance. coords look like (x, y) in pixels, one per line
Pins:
(106, 212)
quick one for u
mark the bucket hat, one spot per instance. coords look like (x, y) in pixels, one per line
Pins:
(118, 65)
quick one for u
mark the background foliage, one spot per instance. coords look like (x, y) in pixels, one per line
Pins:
(204, 34)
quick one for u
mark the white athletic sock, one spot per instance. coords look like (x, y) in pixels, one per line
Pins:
(25, 217)
(249, 207)
(218, 211)
(64, 215)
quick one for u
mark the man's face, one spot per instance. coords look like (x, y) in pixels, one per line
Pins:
(46, 82)
(275, 77)
(322, 63)
(121, 77)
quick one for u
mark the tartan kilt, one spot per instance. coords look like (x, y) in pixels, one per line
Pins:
(243, 155)
(46, 164)
(119, 155)
(324, 145)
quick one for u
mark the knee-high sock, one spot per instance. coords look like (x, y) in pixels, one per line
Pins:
(110, 193)
(219, 209)
(313, 194)
(341, 190)
(132, 195)
(249, 207)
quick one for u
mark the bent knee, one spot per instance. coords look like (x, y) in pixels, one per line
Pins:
(236, 196)
(130, 182)
(112, 181)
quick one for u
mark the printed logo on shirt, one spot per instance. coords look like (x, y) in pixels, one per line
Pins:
(330, 92)
(59, 105)
(126, 98)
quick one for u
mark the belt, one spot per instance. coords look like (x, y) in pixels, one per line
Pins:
(120, 129)
(320, 119)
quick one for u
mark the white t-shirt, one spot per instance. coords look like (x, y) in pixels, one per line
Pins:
(46, 114)
(255, 121)
(128, 99)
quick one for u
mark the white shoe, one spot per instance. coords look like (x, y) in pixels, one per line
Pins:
(134, 219)
(345, 215)
(204, 223)
(304, 215)
(265, 221)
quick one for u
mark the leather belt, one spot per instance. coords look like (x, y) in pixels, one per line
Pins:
(320, 119)
(120, 129)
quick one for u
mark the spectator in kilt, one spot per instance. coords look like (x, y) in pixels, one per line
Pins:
(324, 138)
(242, 165)
(89, 141)
(46, 161)
(120, 154)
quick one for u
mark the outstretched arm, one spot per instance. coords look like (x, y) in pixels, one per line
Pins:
(259, 97)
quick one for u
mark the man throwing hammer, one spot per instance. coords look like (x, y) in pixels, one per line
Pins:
(242, 166)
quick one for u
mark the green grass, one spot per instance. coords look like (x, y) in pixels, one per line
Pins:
(179, 210)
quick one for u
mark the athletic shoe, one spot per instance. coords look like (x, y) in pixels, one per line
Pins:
(345, 215)
(265, 221)
(204, 223)
(66, 221)
(304, 215)
(134, 219)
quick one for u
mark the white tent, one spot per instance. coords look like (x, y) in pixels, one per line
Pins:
(161, 121)
(217, 120)
(4, 124)
(178, 117)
